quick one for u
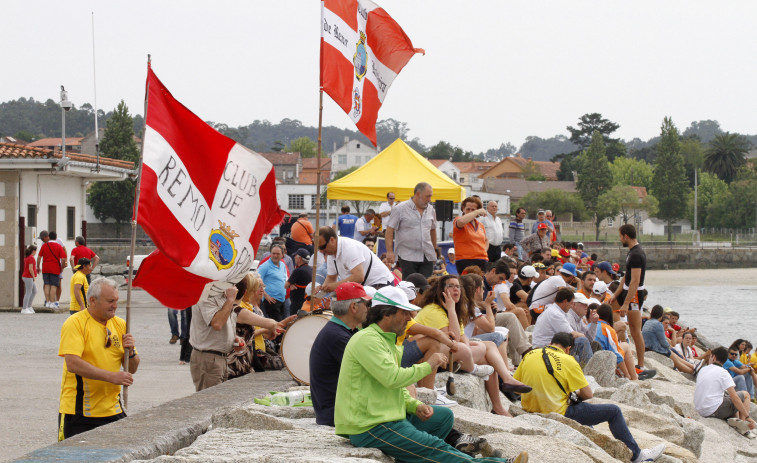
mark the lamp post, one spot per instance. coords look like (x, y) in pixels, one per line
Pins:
(65, 106)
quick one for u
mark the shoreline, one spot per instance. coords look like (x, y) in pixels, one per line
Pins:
(702, 277)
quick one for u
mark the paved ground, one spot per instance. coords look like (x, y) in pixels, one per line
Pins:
(30, 380)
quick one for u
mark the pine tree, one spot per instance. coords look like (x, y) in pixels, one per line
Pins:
(115, 199)
(594, 178)
(669, 184)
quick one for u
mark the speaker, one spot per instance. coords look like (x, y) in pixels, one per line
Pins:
(443, 210)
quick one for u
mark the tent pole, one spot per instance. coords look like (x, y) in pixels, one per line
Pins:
(318, 195)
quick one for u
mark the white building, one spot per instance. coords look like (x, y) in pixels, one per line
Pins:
(447, 167)
(353, 153)
(40, 191)
(655, 226)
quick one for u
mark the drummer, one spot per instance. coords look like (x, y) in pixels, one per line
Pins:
(350, 309)
(349, 260)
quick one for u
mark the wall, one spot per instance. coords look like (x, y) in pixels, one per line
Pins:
(9, 253)
(668, 258)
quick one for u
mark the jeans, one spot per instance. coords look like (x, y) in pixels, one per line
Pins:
(744, 383)
(521, 252)
(173, 322)
(582, 350)
(592, 414)
(30, 290)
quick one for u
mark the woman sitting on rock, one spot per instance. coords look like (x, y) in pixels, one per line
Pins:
(608, 339)
(445, 305)
(655, 340)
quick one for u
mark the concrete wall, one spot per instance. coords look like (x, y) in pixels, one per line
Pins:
(9, 251)
(665, 257)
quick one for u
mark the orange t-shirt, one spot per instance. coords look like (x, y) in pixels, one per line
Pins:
(302, 231)
(470, 241)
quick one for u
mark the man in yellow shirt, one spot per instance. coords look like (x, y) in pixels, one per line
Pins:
(80, 285)
(92, 342)
(559, 385)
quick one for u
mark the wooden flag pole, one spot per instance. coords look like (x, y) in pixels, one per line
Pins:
(125, 393)
(318, 200)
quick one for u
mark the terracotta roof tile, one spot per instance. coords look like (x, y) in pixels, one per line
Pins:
(467, 167)
(282, 158)
(56, 141)
(312, 163)
(437, 162)
(10, 150)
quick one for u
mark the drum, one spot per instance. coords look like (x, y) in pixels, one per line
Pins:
(298, 342)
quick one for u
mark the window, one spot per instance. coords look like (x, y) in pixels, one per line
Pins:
(313, 199)
(342, 159)
(31, 215)
(610, 221)
(358, 145)
(70, 223)
(296, 201)
(51, 219)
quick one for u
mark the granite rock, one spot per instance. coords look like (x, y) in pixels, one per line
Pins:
(602, 367)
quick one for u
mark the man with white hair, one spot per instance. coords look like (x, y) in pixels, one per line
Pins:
(495, 232)
(349, 260)
(411, 233)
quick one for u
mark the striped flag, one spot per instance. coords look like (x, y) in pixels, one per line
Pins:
(362, 51)
(205, 201)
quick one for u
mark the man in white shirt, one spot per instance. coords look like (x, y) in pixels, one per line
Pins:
(545, 293)
(364, 226)
(350, 260)
(411, 233)
(494, 231)
(716, 396)
(554, 320)
(386, 208)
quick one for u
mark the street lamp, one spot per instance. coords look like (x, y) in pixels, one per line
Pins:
(65, 106)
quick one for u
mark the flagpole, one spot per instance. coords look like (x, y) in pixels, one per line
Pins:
(125, 393)
(318, 195)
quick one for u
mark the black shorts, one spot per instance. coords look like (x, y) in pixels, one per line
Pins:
(71, 425)
(637, 302)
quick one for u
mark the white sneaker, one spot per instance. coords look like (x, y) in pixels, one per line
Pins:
(443, 401)
(29, 310)
(47, 304)
(650, 454)
(24, 310)
(482, 371)
(56, 305)
(739, 425)
(750, 435)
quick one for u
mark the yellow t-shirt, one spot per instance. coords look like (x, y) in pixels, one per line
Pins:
(401, 339)
(83, 336)
(434, 316)
(546, 396)
(78, 279)
(259, 341)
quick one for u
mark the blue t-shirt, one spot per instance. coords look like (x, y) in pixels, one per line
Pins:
(274, 278)
(732, 363)
(346, 225)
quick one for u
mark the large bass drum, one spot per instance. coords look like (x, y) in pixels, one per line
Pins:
(298, 342)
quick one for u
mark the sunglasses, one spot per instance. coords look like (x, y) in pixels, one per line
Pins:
(108, 342)
(732, 353)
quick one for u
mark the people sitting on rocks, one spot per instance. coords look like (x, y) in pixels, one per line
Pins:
(374, 409)
(608, 340)
(741, 374)
(554, 320)
(560, 386)
(546, 292)
(655, 340)
(684, 350)
(716, 396)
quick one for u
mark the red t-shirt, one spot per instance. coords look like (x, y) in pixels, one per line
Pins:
(82, 251)
(51, 253)
(29, 261)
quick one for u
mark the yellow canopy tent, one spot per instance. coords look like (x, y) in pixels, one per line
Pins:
(398, 168)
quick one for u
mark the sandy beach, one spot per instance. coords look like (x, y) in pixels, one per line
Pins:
(703, 277)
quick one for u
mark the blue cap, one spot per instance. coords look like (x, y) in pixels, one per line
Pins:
(607, 267)
(569, 269)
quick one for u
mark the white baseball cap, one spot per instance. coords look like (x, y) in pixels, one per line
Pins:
(528, 271)
(581, 299)
(389, 295)
(600, 288)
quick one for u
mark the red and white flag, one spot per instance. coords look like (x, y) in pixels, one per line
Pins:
(205, 201)
(362, 51)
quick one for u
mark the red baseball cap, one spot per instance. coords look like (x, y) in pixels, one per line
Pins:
(542, 226)
(351, 290)
(564, 252)
(615, 267)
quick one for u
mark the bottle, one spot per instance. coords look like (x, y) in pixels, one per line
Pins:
(290, 399)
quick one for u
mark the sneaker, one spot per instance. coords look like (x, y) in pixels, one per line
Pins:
(30, 310)
(444, 401)
(647, 374)
(47, 304)
(173, 339)
(25, 310)
(469, 444)
(739, 425)
(650, 454)
(482, 371)
(750, 435)
(56, 305)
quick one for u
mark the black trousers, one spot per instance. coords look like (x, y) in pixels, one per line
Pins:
(494, 252)
(71, 425)
(273, 309)
(426, 268)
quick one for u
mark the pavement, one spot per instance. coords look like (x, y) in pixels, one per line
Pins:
(30, 391)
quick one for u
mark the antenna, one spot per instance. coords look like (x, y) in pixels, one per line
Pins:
(94, 84)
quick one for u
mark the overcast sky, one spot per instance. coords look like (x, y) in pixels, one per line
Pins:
(494, 71)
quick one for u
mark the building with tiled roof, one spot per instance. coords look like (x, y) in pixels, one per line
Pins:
(448, 167)
(470, 173)
(286, 165)
(520, 167)
(310, 168)
(41, 190)
(73, 144)
(517, 188)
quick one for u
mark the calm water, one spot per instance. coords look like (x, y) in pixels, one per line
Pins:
(721, 313)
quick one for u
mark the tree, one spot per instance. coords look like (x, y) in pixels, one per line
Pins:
(625, 201)
(590, 123)
(115, 200)
(389, 130)
(704, 130)
(710, 188)
(726, 153)
(558, 201)
(305, 146)
(693, 156)
(669, 184)
(594, 177)
(541, 149)
(630, 171)
(442, 150)
(737, 208)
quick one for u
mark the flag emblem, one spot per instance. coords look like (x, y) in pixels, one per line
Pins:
(356, 103)
(360, 58)
(221, 246)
